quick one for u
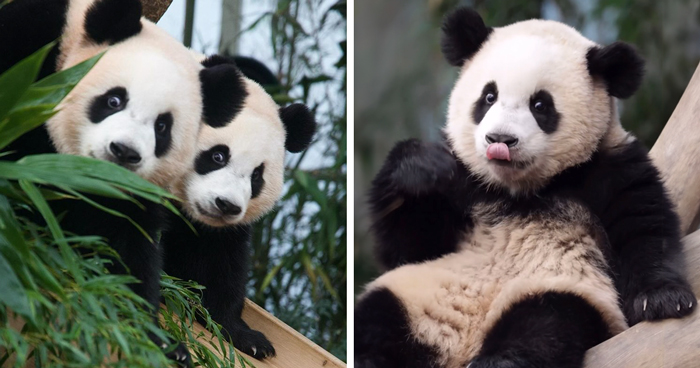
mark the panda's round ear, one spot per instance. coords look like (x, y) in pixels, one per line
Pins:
(223, 90)
(300, 125)
(463, 33)
(113, 21)
(620, 66)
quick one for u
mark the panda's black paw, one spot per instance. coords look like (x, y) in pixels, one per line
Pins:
(175, 352)
(673, 299)
(180, 355)
(253, 343)
(498, 362)
(420, 167)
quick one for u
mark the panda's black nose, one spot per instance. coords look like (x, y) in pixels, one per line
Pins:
(226, 207)
(124, 153)
(502, 138)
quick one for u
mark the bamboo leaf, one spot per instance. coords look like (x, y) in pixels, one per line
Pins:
(13, 294)
(17, 80)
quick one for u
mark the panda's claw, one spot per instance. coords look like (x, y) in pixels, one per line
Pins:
(255, 350)
(671, 299)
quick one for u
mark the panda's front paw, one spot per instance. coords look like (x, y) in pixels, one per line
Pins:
(497, 362)
(673, 299)
(253, 343)
(420, 167)
(180, 355)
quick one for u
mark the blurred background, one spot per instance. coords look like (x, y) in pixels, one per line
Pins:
(299, 250)
(402, 81)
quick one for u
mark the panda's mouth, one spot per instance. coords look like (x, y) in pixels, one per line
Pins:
(206, 213)
(514, 164)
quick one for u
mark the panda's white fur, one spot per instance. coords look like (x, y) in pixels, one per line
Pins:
(255, 136)
(454, 301)
(159, 75)
(523, 58)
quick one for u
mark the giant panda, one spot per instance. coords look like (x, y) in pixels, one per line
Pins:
(537, 228)
(140, 107)
(236, 177)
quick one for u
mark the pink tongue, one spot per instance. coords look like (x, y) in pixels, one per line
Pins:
(498, 151)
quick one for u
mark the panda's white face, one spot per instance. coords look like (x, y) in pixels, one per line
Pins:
(238, 170)
(139, 107)
(525, 106)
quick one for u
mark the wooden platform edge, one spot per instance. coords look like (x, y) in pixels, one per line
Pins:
(294, 350)
(670, 343)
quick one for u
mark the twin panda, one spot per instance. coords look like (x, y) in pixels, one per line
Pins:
(237, 176)
(140, 107)
(537, 229)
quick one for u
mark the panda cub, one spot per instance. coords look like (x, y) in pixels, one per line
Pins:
(139, 107)
(236, 177)
(537, 229)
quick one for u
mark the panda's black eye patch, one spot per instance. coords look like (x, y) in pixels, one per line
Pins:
(212, 159)
(108, 103)
(544, 112)
(257, 181)
(162, 126)
(489, 96)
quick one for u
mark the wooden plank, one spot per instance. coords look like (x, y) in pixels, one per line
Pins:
(293, 349)
(677, 154)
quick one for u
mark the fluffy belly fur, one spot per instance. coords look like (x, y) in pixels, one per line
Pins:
(452, 302)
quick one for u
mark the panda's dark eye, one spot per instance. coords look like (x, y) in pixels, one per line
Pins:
(218, 157)
(161, 126)
(114, 102)
(490, 98)
(257, 173)
(539, 106)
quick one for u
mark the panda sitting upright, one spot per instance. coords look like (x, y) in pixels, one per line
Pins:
(236, 177)
(538, 229)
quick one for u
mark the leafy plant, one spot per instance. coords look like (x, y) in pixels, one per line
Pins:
(58, 304)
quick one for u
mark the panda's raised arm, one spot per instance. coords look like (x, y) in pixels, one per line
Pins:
(415, 205)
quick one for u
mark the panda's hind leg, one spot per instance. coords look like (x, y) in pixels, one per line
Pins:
(383, 336)
(547, 330)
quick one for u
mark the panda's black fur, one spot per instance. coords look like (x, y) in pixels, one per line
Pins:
(219, 257)
(422, 204)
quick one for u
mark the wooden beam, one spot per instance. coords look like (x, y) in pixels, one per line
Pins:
(677, 154)
(293, 349)
(672, 343)
(154, 9)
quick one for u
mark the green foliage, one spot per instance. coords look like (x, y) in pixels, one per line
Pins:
(299, 250)
(59, 306)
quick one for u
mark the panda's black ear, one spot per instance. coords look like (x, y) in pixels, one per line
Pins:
(463, 33)
(113, 21)
(223, 90)
(257, 71)
(300, 125)
(620, 66)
